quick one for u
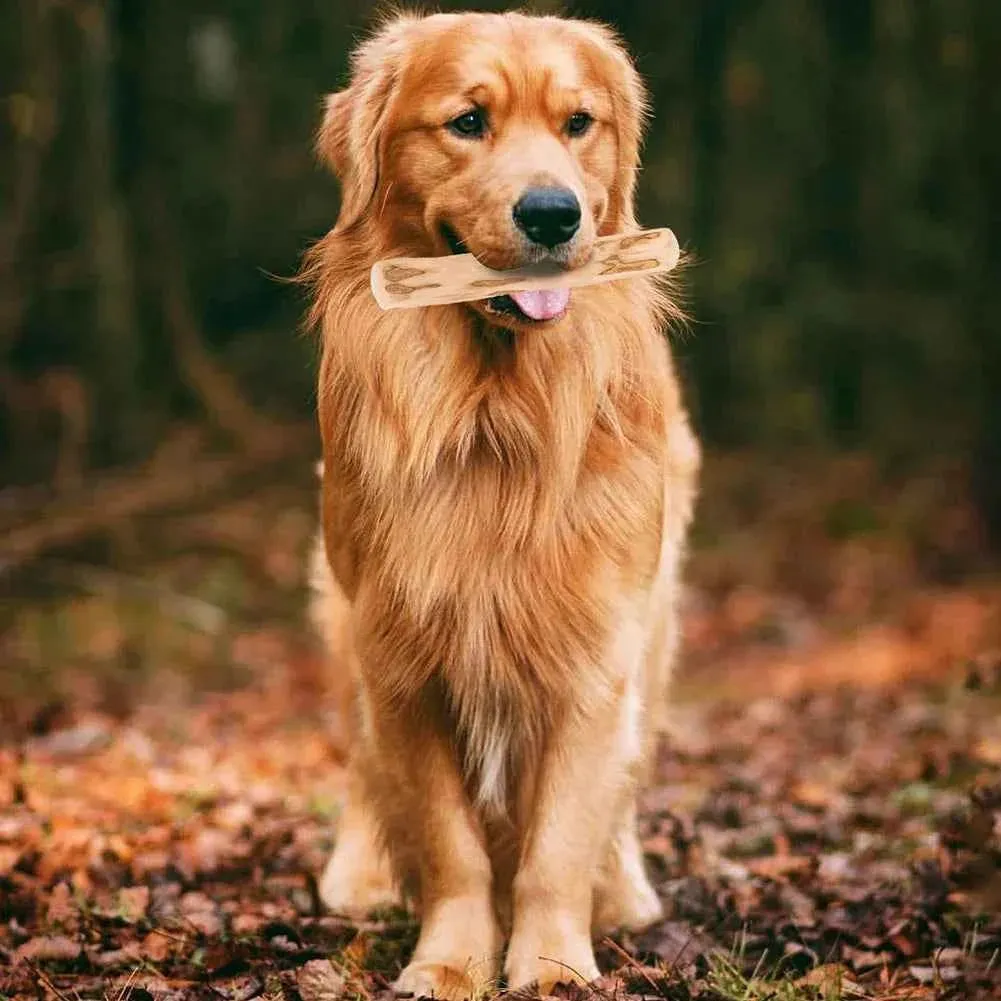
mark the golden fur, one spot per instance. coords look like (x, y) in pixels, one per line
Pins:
(504, 508)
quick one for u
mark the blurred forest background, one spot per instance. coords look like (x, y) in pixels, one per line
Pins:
(828, 806)
(834, 166)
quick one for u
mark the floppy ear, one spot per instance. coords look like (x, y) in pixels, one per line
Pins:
(630, 109)
(350, 138)
(332, 137)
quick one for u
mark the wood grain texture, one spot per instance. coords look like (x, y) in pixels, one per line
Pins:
(410, 282)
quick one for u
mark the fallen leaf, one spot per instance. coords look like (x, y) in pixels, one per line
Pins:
(319, 981)
(62, 911)
(922, 974)
(201, 913)
(866, 959)
(832, 980)
(133, 902)
(9, 858)
(247, 924)
(129, 955)
(779, 866)
(86, 738)
(157, 946)
(54, 948)
(678, 944)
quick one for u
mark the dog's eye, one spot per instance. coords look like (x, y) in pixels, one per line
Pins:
(471, 125)
(578, 123)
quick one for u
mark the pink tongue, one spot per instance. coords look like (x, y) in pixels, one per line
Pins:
(545, 304)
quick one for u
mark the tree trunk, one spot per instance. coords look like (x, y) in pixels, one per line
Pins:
(984, 303)
(836, 205)
(34, 115)
(116, 339)
(712, 357)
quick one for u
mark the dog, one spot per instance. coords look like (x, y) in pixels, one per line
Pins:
(506, 492)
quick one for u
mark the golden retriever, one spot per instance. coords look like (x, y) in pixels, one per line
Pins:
(506, 491)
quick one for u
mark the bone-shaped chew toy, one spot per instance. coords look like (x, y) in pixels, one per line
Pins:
(409, 282)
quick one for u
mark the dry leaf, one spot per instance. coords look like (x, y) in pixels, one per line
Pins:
(831, 977)
(133, 902)
(8, 859)
(779, 866)
(319, 981)
(62, 911)
(157, 946)
(201, 913)
(50, 948)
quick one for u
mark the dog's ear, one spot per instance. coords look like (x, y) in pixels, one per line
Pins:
(630, 109)
(332, 139)
(350, 138)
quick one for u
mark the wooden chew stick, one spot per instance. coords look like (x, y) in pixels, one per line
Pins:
(409, 282)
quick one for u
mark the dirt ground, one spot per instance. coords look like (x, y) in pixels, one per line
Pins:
(825, 821)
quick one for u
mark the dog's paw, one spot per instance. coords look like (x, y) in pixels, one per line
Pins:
(547, 962)
(439, 981)
(355, 887)
(629, 904)
(543, 975)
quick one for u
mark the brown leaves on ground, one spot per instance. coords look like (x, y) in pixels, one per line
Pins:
(819, 826)
(848, 836)
(856, 827)
(319, 980)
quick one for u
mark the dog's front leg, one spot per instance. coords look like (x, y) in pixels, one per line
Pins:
(439, 844)
(584, 775)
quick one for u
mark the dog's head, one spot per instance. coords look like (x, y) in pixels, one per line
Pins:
(512, 137)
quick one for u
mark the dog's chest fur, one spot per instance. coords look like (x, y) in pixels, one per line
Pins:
(508, 611)
(493, 540)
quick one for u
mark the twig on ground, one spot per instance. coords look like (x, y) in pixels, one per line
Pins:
(129, 980)
(619, 951)
(584, 982)
(47, 982)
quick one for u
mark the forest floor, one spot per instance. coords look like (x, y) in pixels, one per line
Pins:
(825, 821)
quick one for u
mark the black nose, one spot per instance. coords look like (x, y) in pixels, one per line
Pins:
(549, 216)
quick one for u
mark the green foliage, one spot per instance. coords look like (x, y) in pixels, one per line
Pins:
(831, 166)
(730, 984)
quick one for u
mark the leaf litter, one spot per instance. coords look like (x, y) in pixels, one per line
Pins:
(837, 843)
(824, 822)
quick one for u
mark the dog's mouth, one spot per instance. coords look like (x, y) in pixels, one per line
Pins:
(527, 307)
